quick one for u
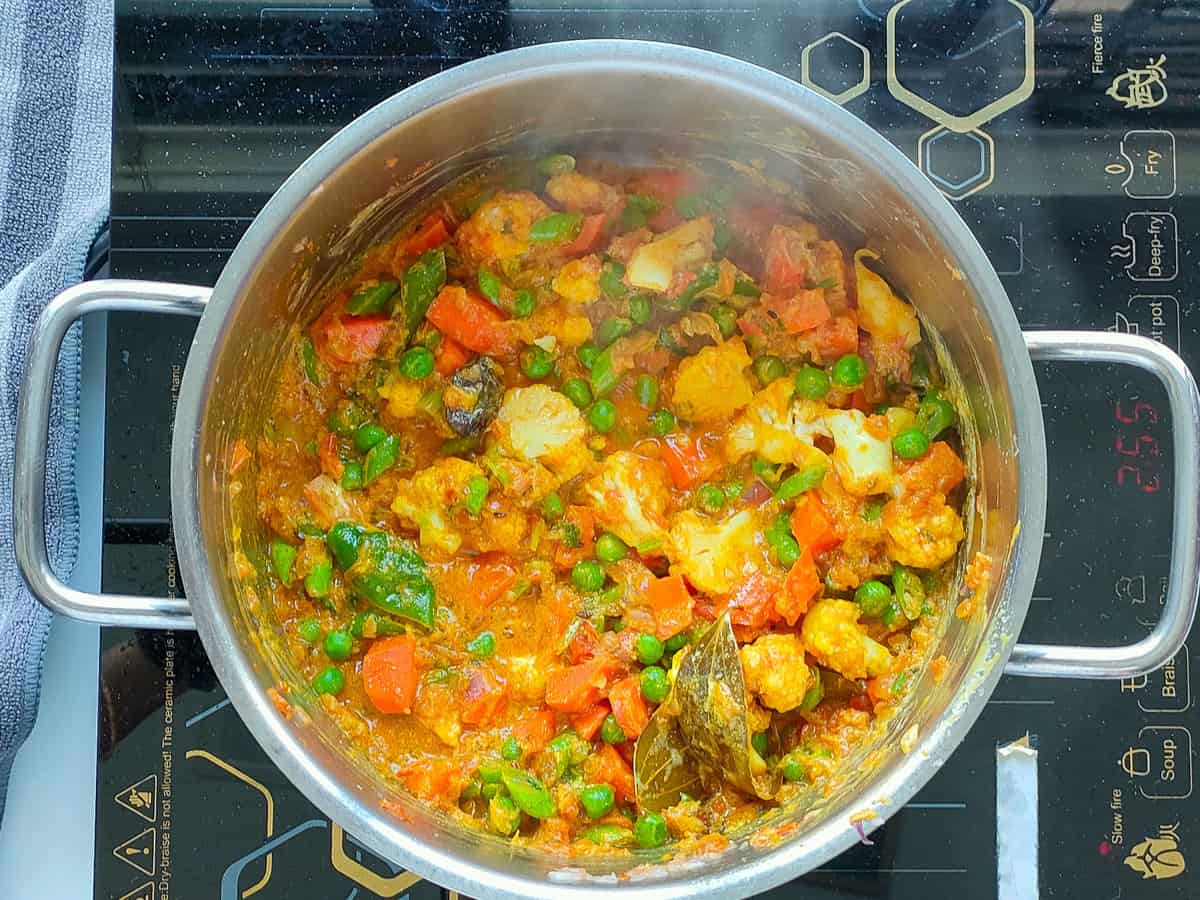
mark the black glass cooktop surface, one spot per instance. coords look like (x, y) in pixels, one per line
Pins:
(1064, 133)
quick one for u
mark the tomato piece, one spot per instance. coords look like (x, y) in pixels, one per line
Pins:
(800, 587)
(432, 233)
(798, 311)
(353, 339)
(811, 527)
(588, 722)
(628, 706)
(837, 337)
(484, 698)
(450, 356)
(786, 262)
(535, 731)
(757, 322)
(327, 455)
(607, 766)
(591, 231)
(491, 575)
(752, 605)
(671, 605)
(880, 687)
(434, 779)
(470, 320)
(585, 643)
(390, 675)
(665, 185)
(584, 523)
(574, 689)
(687, 462)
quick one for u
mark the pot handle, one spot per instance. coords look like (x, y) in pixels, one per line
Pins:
(29, 470)
(1179, 608)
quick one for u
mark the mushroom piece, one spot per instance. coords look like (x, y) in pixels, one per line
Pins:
(472, 398)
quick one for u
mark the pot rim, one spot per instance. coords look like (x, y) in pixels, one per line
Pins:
(378, 830)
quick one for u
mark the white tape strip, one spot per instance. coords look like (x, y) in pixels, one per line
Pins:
(1016, 821)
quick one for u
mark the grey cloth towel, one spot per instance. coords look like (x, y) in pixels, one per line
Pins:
(55, 132)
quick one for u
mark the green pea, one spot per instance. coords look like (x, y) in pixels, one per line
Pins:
(655, 684)
(283, 556)
(368, 435)
(662, 422)
(792, 770)
(873, 596)
(482, 645)
(911, 443)
(338, 645)
(850, 371)
(587, 575)
(610, 548)
(380, 458)
(417, 363)
(578, 391)
(812, 383)
(556, 164)
(805, 480)
(910, 593)
(535, 362)
(504, 817)
(556, 227)
(768, 369)
(611, 732)
(524, 304)
(597, 800)
(650, 831)
(352, 476)
(935, 415)
(309, 630)
(603, 415)
(586, 354)
(641, 308)
(510, 749)
(611, 329)
(552, 507)
(759, 742)
(489, 285)
(344, 540)
(611, 275)
(649, 649)
(372, 300)
(477, 492)
(319, 581)
(528, 793)
(726, 318)
(710, 497)
(733, 491)
(329, 680)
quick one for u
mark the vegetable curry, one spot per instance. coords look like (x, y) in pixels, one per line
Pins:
(606, 506)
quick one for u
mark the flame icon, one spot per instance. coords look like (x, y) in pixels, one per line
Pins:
(1158, 857)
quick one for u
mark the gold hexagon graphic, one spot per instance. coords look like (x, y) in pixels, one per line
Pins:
(849, 93)
(963, 187)
(960, 124)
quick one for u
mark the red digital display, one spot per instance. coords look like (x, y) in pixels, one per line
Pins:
(1138, 455)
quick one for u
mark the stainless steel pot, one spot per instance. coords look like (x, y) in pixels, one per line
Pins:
(637, 97)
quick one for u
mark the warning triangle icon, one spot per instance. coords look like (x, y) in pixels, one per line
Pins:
(139, 852)
(141, 892)
(141, 798)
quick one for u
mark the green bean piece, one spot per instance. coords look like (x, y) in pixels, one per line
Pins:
(766, 472)
(726, 318)
(308, 529)
(607, 835)
(329, 680)
(553, 507)
(805, 480)
(611, 732)
(710, 498)
(372, 300)
(510, 750)
(556, 228)
(345, 418)
(319, 582)
(524, 304)
(610, 548)
(556, 164)
(597, 800)
(535, 362)
(873, 596)
(578, 392)
(352, 476)
(850, 371)
(744, 286)
(910, 593)
(380, 626)
(309, 630)
(662, 422)
(604, 376)
(779, 539)
(491, 773)
(339, 645)
(344, 540)
(649, 649)
(815, 694)
(705, 279)
(482, 645)
(390, 576)
(891, 613)
(768, 368)
(380, 458)
(612, 282)
(417, 363)
(528, 793)
(812, 383)
(420, 286)
(827, 284)
(655, 684)
(690, 206)
(489, 285)
(283, 555)
(603, 415)
(646, 391)
(872, 509)
(368, 435)
(477, 493)
(641, 308)
(611, 330)
(758, 741)
(650, 831)
(461, 446)
(792, 770)
(308, 357)
(587, 575)
(587, 354)
(504, 817)
(934, 416)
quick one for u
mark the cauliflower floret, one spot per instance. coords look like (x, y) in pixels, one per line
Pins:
(776, 428)
(579, 280)
(831, 633)
(580, 193)
(715, 556)
(712, 385)
(425, 500)
(499, 229)
(526, 675)
(862, 453)
(685, 246)
(403, 396)
(881, 313)
(525, 482)
(923, 534)
(629, 495)
(539, 423)
(774, 669)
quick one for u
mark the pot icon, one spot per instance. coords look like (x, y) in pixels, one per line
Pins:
(1136, 761)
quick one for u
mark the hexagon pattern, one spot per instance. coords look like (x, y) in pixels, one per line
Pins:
(819, 56)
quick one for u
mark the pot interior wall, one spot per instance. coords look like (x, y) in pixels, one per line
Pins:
(642, 112)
